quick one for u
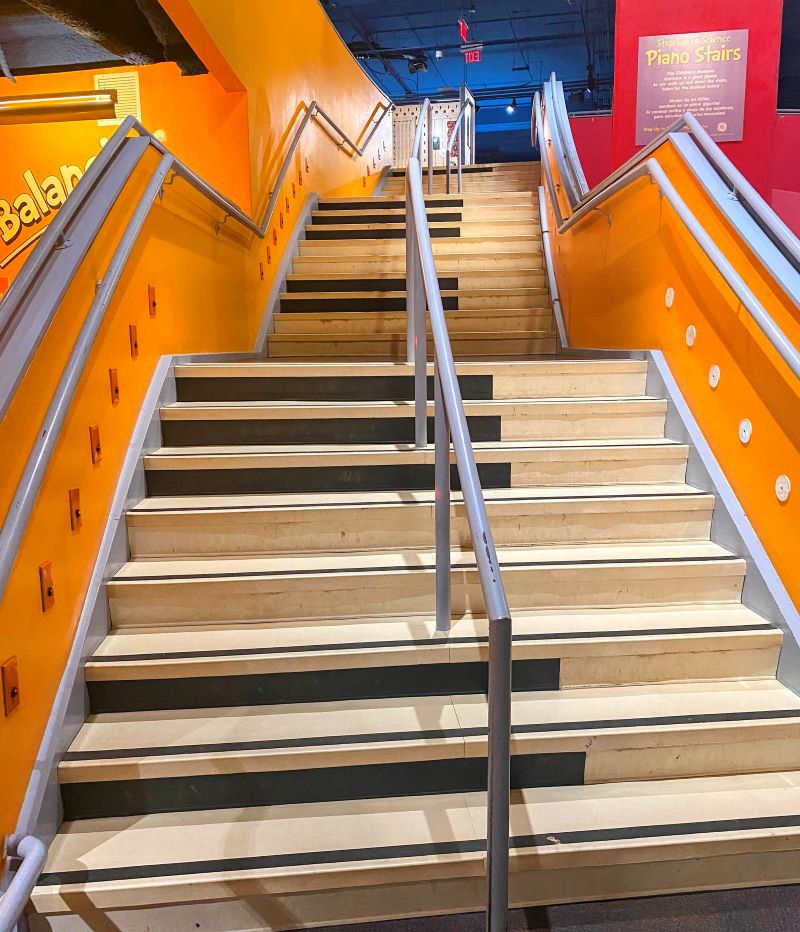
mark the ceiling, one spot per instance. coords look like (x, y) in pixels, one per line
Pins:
(413, 49)
(40, 36)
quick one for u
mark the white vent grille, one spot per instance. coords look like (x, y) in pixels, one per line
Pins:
(126, 84)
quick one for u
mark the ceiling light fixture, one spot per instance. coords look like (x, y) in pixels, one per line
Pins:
(512, 106)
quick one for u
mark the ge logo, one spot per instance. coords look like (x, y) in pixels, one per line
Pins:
(721, 127)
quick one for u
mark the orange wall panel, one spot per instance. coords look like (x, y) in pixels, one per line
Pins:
(203, 125)
(614, 268)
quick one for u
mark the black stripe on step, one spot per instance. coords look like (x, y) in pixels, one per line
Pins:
(656, 721)
(431, 849)
(298, 286)
(320, 232)
(399, 477)
(351, 303)
(213, 692)
(176, 433)
(379, 645)
(322, 388)
(118, 798)
(444, 216)
(387, 204)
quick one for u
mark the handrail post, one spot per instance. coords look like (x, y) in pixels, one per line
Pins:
(430, 149)
(411, 278)
(462, 100)
(498, 794)
(441, 432)
(33, 856)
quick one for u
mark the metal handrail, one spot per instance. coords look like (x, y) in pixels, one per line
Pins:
(450, 424)
(32, 853)
(14, 363)
(455, 132)
(643, 166)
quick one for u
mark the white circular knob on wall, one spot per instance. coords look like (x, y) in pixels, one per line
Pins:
(713, 376)
(691, 334)
(669, 297)
(745, 431)
(783, 488)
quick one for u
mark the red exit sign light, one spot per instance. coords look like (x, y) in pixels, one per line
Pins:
(472, 55)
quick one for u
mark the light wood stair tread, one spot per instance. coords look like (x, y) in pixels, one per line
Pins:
(305, 734)
(331, 845)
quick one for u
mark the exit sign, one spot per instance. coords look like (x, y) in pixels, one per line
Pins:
(472, 53)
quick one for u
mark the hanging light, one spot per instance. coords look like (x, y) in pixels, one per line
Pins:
(512, 106)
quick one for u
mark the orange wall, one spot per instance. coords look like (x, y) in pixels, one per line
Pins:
(188, 110)
(211, 291)
(629, 252)
(286, 55)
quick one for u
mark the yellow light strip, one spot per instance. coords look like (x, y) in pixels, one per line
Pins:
(48, 108)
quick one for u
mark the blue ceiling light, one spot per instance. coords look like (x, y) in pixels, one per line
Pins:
(512, 106)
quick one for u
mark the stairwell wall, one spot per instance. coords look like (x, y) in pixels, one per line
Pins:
(212, 284)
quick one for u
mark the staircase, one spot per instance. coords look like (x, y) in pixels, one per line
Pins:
(280, 739)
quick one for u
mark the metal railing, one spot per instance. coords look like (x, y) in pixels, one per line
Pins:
(32, 855)
(584, 203)
(456, 133)
(450, 424)
(33, 299)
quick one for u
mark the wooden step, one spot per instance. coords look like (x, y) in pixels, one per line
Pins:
(134, 763)
(372, 280)
(463, 267)
(489, 299)
(395, 322)
(485, 246)
(478, 344)
(278, 587)
(435, 213)
(438, 229)
(387, 467)
(334, 381)
(313, 864)
(193, 424)
(441, 200)
(256, 663)
(307, 523)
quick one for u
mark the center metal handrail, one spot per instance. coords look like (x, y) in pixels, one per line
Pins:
(32, 302)
(450, 424)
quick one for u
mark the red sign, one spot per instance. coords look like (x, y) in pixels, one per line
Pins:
(472, 55)
(462, 29)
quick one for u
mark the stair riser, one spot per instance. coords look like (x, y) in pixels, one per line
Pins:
(589, 423)
(514, 524)
(198, 600)
(115, 798)
(580, 467)
(467, 246)
(471, 271)
(392, 323)
(505, 384)
(521, 212)
(517, 299)
(163, 691)
(265, 774)
(461, 282)
(394, 347)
